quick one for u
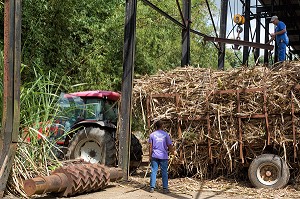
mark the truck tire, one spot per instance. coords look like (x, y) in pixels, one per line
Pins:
(93, 145)
(136, 153)
(269, 171)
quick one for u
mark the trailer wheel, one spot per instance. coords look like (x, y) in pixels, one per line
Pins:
(93, 145)
(269, 171)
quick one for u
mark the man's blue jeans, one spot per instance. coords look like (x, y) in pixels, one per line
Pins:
(281, 51)
(164, 172)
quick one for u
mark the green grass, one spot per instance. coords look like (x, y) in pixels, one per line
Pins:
(37, 110)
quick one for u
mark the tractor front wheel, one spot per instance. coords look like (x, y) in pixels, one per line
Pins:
(93, 145)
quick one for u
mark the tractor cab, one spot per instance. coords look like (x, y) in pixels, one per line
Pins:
(89, 106)
(85, 108)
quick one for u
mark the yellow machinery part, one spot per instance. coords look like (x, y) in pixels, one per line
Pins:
(239, 19)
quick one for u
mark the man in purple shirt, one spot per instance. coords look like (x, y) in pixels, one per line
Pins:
(159, 145)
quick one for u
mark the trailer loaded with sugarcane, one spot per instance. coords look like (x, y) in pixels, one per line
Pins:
(224, 122)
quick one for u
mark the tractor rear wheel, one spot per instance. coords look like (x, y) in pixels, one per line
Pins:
(93, 145)
(136, 153)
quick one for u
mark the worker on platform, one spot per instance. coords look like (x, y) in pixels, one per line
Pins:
(280, 36)
(159, 145)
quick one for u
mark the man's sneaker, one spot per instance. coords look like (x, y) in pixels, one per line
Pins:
(165, 191)
(151, 190)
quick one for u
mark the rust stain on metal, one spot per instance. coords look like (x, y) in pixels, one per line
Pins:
(6, 64)
(266, 118)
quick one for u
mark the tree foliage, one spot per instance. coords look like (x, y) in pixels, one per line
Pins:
(83, 40)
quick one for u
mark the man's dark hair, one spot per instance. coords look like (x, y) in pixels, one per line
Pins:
(158, 124)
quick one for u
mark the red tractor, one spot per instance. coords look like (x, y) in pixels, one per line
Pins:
(90, 120)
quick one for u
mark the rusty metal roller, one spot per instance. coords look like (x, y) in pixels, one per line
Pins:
(73, 180)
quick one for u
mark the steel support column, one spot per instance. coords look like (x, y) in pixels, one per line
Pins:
(127, 83)
(186, 52)
(266, 52)
(290, 55)
(246, 31)
(256, 54)
(223, 26)
(275, 52)
(11, 88)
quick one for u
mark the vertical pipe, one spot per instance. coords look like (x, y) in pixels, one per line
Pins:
(246, 32)
(276, 52)
(266, 53)
(127, 81)
(256, 54)
(11, 88)
(185, 34)
(223, 26)
(289, 54)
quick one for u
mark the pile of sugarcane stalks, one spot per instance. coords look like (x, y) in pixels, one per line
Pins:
(221, 120)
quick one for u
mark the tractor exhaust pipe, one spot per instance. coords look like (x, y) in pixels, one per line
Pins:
(73, 180)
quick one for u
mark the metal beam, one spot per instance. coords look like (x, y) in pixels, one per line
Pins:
(208, 38)
(290, 56)
(164, 13)
(295, 51)
(288, 23)
(127, 83)
(246, 32)
(276, 53)
(276, 8)
(266, 53)
(289, 19)
(223, 26)
(256, 54)
(11, 89)
(239, 42)
(294, 43)
(293, 32)
(180, 12)
(211, 17)
(185, 34)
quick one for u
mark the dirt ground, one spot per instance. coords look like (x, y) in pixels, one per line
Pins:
(124, 192)
(185, 188)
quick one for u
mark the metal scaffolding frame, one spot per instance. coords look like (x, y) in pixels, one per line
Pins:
(124, 130)
(12, 59)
